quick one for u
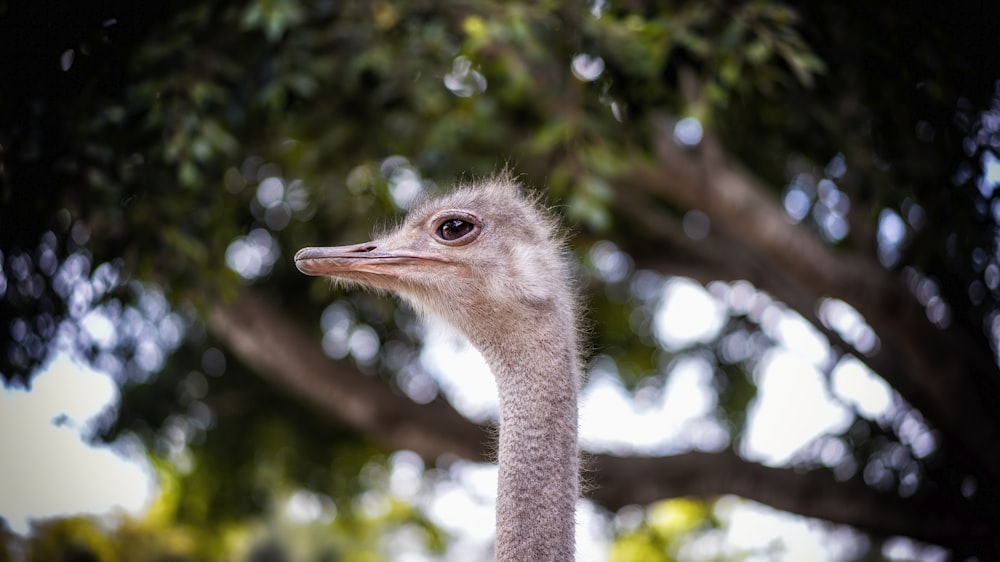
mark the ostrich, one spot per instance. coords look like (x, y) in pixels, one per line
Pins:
(491, 262)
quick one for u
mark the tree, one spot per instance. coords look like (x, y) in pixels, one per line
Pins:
(161, 163)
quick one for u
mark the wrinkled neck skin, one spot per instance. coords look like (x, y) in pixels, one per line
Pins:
(537, 377)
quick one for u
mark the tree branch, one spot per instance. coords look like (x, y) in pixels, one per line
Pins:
(289, 357)
(261, 335)
(620, 481)
(942, 370)
(721, 257)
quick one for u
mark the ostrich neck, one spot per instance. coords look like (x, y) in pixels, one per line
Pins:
(537, 378)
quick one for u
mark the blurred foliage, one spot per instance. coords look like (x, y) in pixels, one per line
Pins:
(156, 156)
(163, 534)
(665, 527)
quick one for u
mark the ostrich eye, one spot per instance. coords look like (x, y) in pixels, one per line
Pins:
(453, 229)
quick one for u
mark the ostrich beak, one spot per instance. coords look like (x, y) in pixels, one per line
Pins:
(336, 261)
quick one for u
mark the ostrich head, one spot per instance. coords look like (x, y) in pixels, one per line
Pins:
(480, 257)
(490, 262)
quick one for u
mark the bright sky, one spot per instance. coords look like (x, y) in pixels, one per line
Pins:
(47, 469)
